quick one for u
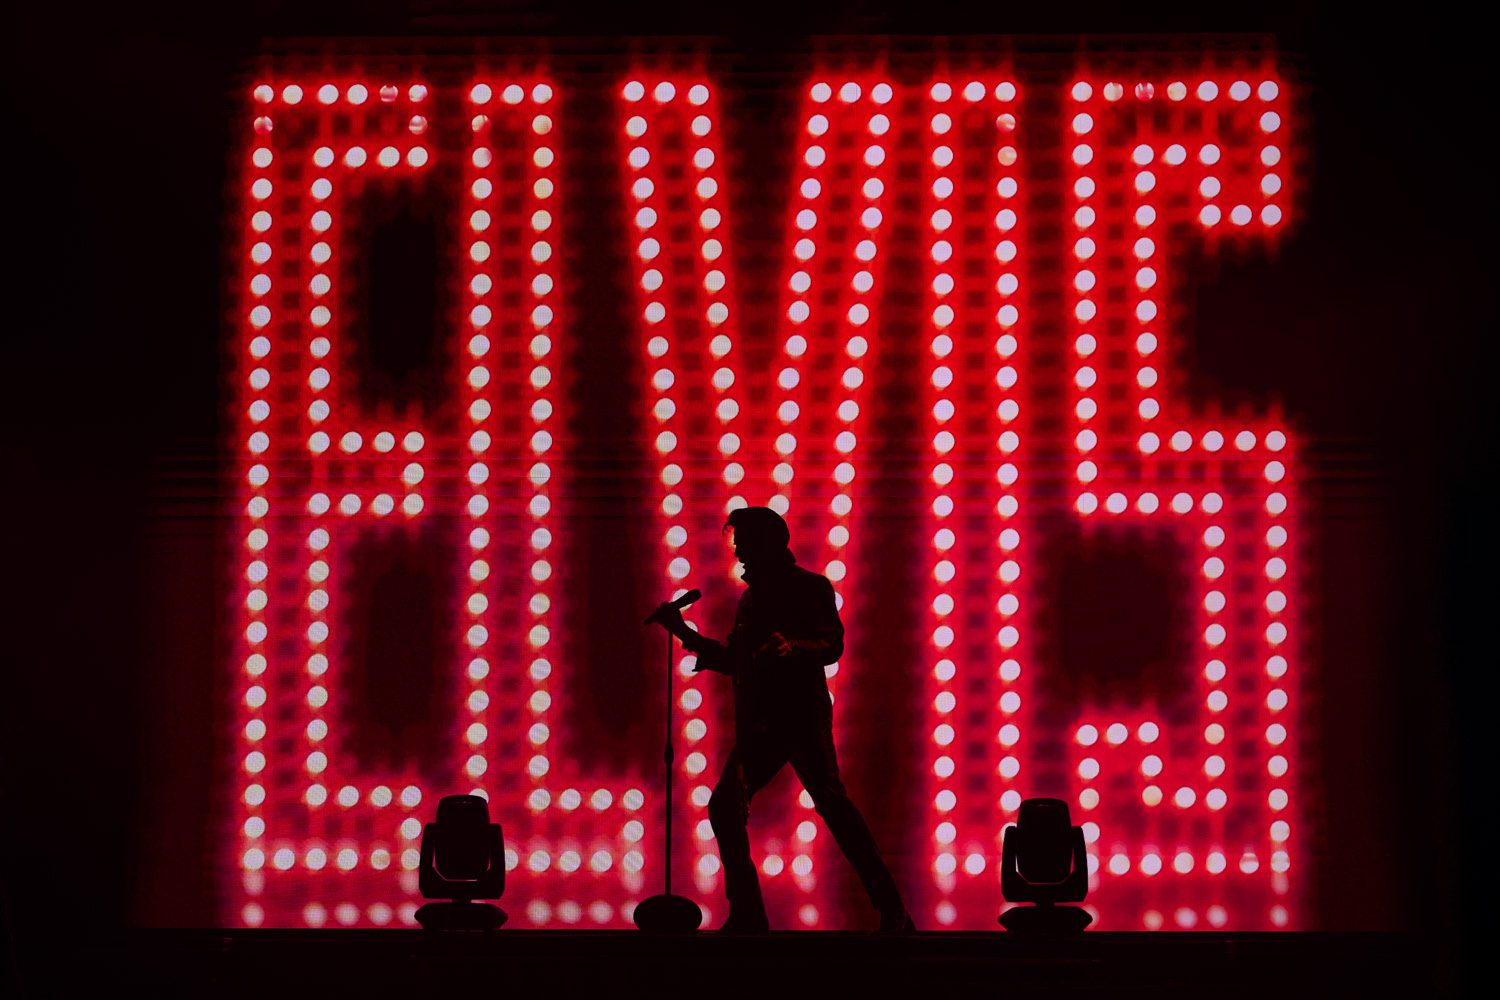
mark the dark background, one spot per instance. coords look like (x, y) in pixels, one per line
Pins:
(115, 504)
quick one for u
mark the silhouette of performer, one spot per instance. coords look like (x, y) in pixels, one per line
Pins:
(785, 630)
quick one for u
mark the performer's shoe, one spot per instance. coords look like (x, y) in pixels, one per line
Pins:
(738, 924)
(896, 922)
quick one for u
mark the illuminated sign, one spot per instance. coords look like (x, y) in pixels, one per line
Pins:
(1186, 799)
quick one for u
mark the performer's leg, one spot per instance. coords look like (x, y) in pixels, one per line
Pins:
(748, 770)
(817, 768)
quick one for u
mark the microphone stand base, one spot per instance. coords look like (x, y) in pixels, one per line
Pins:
(668, 914)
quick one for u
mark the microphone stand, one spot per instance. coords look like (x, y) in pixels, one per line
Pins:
(666, 913)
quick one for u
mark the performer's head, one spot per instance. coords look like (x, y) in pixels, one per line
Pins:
(761, 537)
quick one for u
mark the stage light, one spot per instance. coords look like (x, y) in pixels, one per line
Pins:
(1044, 861)
(462, 859)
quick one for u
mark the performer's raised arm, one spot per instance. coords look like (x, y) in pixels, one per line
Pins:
(731, 656)
(727, 657)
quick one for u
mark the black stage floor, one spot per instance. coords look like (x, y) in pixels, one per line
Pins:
(272, 964)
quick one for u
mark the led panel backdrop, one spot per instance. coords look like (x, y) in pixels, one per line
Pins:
(1041, 215)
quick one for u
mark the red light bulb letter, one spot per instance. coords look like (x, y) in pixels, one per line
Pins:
(975, 417)
(322, 838)
(1194, 821)
(776, 442)
(310, 816)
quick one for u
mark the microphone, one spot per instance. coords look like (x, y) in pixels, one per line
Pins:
(679, 604)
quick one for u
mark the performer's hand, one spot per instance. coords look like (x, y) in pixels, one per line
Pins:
(777, 644)
(670, 618)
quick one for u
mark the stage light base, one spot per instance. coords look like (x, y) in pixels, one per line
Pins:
(1045, 919)
(668, 914)
(461, 916)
